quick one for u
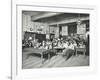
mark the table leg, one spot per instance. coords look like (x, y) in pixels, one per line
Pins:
(84, 53)
(76, 52)
(42, 58)
(48, 56)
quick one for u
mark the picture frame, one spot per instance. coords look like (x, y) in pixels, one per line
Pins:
(71, 73)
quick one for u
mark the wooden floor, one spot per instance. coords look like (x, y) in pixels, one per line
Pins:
(34, 61)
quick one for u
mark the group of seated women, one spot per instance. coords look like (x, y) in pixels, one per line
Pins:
(69, 45)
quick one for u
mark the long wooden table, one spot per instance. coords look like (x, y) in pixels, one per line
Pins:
(59, 49)
(42, 52)
(80, 50)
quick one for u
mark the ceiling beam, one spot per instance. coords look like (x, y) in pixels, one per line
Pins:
(69, 21)
(45, 15)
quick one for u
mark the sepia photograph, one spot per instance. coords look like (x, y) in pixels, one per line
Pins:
(55, 39)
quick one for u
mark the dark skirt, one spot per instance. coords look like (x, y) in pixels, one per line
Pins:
(68, 53)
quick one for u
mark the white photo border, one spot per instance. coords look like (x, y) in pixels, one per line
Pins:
(18, 72)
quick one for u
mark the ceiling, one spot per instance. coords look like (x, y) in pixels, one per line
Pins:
(32, 13)
(55, 17)
(60, 17)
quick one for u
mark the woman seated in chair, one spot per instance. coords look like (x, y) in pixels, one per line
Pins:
(69, 49)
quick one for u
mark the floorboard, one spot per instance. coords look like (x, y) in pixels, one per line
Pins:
(32, 61)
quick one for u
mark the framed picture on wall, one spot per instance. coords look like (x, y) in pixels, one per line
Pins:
(70, 52)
